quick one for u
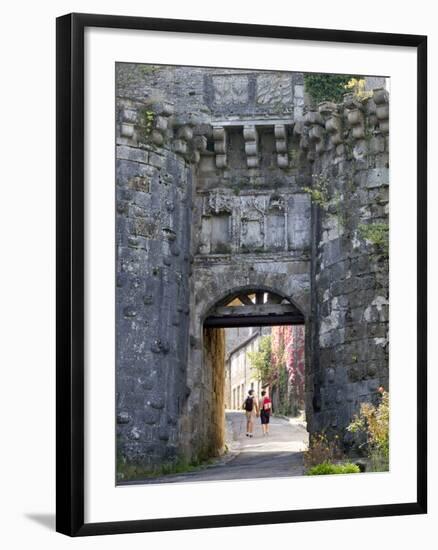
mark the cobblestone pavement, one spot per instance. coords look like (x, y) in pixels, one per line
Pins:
(280, 454)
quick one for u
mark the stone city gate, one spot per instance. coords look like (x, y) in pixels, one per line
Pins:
(229, 183)
(248, 307)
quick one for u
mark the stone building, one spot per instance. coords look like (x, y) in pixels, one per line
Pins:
(230, 185)
(239, 374)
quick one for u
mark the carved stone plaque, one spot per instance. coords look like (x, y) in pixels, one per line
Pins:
(230, 89)
(274, 89)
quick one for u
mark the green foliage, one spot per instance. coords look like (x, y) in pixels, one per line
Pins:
(357, 86)
(148, 69)
(322, 449)
(133, 472)
(282, 379)
(261, 360)
(318, 192)
(327, 468)
(326, 87)
(373, 421)
(146, 122)
(377, 234)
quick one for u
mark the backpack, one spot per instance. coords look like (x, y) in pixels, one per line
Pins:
(248, 405)
(267, 404)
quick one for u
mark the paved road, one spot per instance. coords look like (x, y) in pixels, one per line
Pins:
(278, 455)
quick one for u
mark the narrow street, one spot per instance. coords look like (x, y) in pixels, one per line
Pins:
(280, 454)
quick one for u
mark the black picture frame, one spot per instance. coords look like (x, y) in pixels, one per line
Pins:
(70, 273)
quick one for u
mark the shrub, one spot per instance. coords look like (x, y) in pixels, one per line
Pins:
(322, 450)
(327, 468)
(373, 421)
(377, 234)
(318, 192)
(261, 360)
(357, 86)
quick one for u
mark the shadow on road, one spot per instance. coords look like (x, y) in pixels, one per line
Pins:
(280, 454)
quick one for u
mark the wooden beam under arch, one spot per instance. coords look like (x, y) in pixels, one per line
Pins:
(254, 315)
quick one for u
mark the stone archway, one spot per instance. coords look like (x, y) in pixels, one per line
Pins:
(246, 306)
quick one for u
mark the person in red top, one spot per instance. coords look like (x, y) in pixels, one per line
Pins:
(265, 412)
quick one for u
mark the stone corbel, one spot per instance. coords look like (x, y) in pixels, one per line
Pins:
(280, 132)
(314, 123)
(333, 122)
(356, 121)
(185, 132)
(316, 135)
(355, 116)
(301, 131)
(194, 149)
(183, 136)
(129, 119)
(188, 143)
(220, 146)
(200, 143)
(381, 99)
(333, 125)
(161, 122)
(251, 146)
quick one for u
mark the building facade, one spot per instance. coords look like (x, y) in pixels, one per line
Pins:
(240, 377)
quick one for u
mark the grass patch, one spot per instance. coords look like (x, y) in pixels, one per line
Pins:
(137, 472)
(328, 468)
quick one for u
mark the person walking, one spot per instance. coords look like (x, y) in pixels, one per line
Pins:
(265, 412)
(251, 410)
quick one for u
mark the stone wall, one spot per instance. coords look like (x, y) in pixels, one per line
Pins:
(348, 359)
(207, 422)
(153, 220)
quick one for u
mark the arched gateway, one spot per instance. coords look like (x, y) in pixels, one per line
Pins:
(244, 307)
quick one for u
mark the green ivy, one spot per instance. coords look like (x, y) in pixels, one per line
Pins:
(326, 87)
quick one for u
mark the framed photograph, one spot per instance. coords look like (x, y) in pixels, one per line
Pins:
(241, 274)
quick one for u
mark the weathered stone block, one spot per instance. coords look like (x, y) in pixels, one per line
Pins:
(131, 153)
